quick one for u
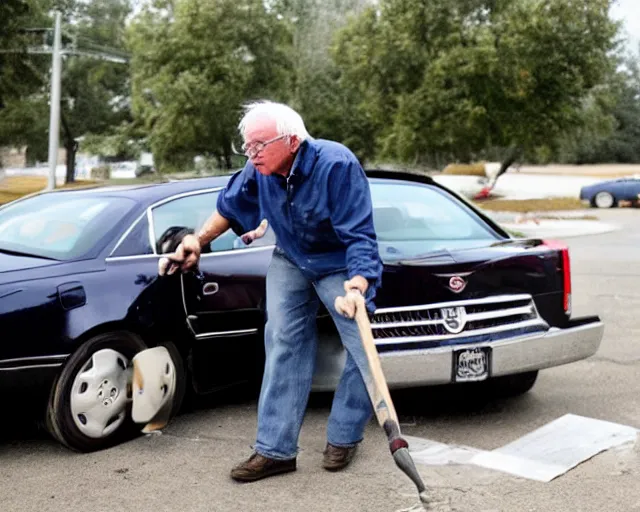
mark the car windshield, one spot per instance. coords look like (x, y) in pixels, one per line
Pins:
(413, 219)
(59, 226)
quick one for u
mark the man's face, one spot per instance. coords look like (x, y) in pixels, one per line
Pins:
(277, 155)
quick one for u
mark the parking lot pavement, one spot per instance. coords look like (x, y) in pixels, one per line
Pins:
(187, 467)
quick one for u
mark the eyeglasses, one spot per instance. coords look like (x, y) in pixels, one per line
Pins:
(254, 149)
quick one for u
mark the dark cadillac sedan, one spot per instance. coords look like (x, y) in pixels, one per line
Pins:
(461, 301)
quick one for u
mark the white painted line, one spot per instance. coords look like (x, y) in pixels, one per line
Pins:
(432, 453)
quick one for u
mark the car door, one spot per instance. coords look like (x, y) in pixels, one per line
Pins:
(633, 189)
(223, 298)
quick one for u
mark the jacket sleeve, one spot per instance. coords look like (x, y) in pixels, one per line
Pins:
(351, 214)
(238, 202)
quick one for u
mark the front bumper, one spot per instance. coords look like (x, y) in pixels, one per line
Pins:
(433, 366)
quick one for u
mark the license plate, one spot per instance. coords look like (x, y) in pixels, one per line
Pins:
(471, 364)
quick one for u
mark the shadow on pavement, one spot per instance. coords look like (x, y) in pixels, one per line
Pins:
(22, 422)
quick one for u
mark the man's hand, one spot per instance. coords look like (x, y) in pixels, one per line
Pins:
(357, 282)
(188, 252)
(186, 256)
(259, 232)
(355, 286)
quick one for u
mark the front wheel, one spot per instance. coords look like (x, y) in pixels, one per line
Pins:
(604, 200)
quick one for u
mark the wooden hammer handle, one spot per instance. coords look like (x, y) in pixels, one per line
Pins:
(377, 387)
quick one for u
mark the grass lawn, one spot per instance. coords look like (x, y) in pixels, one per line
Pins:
(15, 187)
(531, 205)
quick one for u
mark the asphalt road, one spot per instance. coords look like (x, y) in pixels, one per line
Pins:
(187, 467)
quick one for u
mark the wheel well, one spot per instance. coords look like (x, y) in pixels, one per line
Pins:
(150, 338)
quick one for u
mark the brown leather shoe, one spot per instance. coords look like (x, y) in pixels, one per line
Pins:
(337, 458)
(257, 467)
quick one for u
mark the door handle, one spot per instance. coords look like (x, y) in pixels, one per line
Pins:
(210, 288)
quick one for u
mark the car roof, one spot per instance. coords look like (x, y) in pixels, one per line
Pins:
(148, 193)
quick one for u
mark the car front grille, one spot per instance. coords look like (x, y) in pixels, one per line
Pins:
(453, 320)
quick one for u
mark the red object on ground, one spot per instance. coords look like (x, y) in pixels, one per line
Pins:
(484, 193)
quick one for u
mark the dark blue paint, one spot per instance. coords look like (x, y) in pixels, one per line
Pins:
(622, 189)
(50, 308)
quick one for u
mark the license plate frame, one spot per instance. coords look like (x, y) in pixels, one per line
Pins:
(472, 364)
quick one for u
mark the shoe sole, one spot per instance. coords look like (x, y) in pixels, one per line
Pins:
(275, 472)
(333, 469)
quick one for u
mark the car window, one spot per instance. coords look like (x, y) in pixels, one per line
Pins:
(172, 220)
(62, 226)
(137, 241)
(414, 218)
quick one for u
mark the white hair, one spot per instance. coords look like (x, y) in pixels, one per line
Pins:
(288, 121)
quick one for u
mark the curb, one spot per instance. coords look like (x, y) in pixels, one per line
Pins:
(560, 228)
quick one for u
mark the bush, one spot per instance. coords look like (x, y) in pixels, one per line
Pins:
(102, 172)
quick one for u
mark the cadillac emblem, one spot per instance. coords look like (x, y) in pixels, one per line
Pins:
(454, 319)
(457, 284)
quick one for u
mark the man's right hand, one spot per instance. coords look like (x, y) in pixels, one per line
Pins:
(186, 256)
(187, 253)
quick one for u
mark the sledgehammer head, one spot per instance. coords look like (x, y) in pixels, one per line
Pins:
(403, 460)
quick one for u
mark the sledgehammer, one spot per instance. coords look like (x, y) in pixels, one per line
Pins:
(379, 391)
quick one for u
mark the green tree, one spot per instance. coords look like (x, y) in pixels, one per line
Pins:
(20, 74)
(450, 80)
(194, 62)
(15, 70)
(622, 144)
(95, 89)
(327, 106)
(95, 92)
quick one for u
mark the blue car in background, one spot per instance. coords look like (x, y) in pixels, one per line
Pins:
(609, 193)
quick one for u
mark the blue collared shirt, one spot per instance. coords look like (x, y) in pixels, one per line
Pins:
(321, 214)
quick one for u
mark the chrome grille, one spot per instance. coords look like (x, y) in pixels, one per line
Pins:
(477, 316)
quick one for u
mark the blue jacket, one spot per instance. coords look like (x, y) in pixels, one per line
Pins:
(321, 214)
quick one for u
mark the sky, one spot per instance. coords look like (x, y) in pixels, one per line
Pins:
(628, 11)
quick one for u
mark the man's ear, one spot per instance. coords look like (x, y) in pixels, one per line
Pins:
(294, 143)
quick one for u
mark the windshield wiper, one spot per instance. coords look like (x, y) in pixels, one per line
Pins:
(20, 253)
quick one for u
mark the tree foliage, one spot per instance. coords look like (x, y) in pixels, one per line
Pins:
(195, 66)
(413, 81)
(94, 96)
(611, 132)
(454, 78)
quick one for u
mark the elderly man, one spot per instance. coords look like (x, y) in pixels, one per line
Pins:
(315, 196)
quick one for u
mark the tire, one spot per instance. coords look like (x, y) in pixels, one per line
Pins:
(604, 200)
(101, 418)
(513, 385)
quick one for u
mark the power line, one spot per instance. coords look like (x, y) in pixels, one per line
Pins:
(88, 48)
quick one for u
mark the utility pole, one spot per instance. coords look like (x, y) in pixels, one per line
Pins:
(54, 119)
(56, 52)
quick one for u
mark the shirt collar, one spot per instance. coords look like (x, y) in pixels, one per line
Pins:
(305, 159)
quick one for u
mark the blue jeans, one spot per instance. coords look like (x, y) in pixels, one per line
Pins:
(290, 346)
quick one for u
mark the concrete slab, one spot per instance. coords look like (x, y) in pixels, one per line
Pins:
(560, 228)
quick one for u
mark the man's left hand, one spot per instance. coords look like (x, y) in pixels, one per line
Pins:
(357, 282)
(254, 234)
